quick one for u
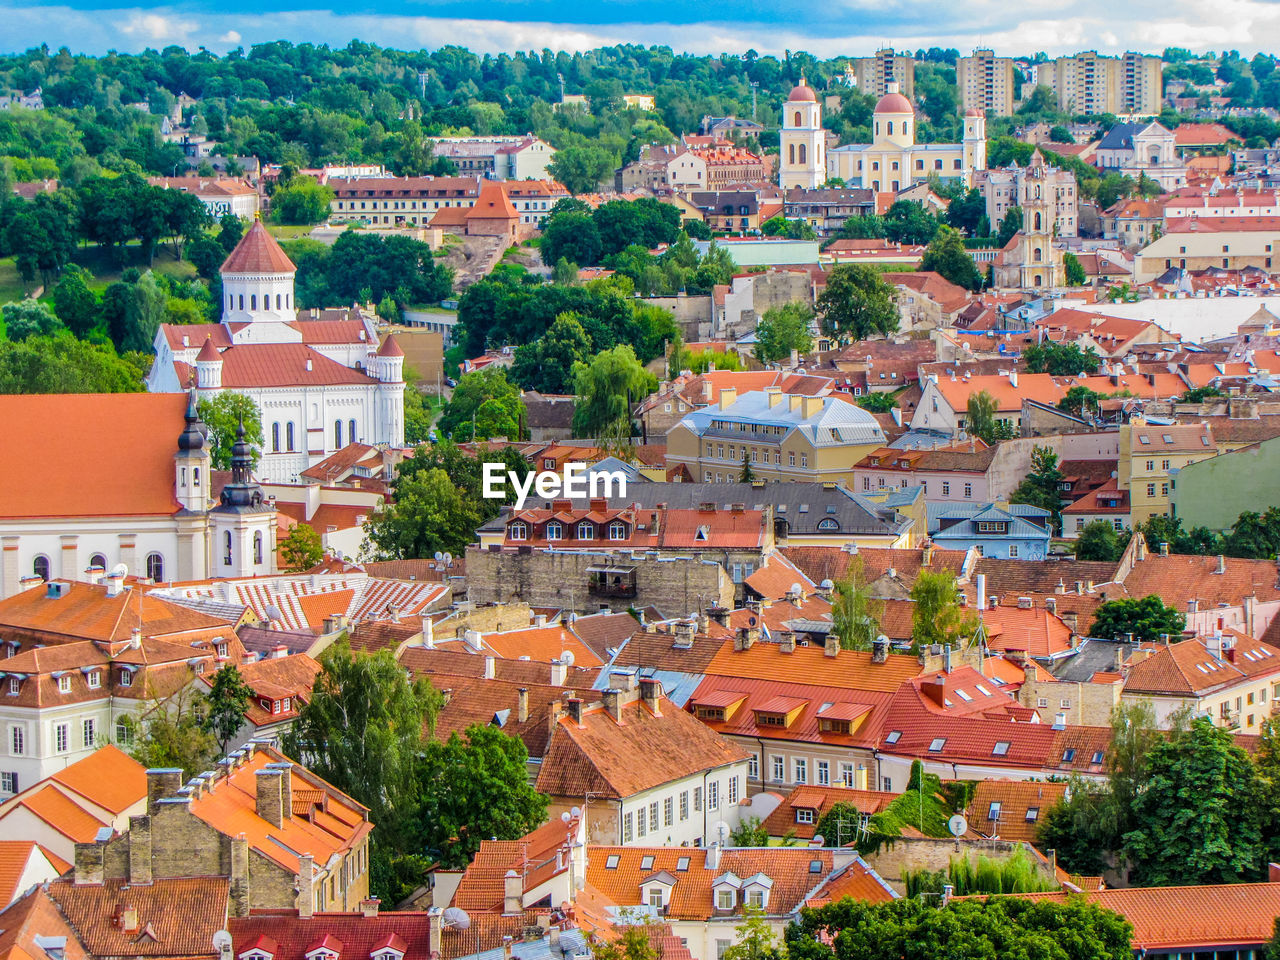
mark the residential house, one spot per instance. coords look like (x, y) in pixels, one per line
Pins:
(1107, 503)
(1134, 221)
(285, 837)
(1012, 809)
(497, 157)
(279, 686)
(804, 807)
(806, 438)
(102, 791)
(685, 392)
(661, 168)
(826, 209)
(220, 195)
(1196, 244)
(24, 864)
(728, 165)
(736, 211)
(690, 778)
(1214, 492)
(926, 300)
(1149, 453)
(872, 75)
(1006, 188)
(1013, 531)
(986, 83)
(1092, 84)
(401, 201)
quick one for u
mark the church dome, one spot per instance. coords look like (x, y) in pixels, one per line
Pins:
(258, 252)
(894, 102)
(974, 112)
(802, 93)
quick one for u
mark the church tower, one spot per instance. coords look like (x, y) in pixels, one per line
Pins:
(257, 280)
(242, 526)
(803, 141)
(1042, 264)
(193, 483)
(974, 145)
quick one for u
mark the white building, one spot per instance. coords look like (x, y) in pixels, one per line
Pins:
(498, 158)
(894, 161)
(1008, 188)
(802, 160)
(1142, 149)
(319, 384)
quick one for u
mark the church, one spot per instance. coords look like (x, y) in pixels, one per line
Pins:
(320, 379)
(893, 160)
(145, 499)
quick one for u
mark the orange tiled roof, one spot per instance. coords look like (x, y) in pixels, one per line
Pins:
(36, 915)
(819, 800)
(533, 856)
(258, 252)
(543, 644)
(776, 577)
(1189, 669)
(15, 855)
(850, 670)
(1023, 806)
(59, 811)
(108, 777)
(1037, 631)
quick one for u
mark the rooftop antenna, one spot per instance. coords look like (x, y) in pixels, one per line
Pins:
(423, 75)
(755, 85)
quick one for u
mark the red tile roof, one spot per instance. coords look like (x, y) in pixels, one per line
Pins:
(283, 364)
(258, 252)
(1023, 807)
(108, 777)
(1037, 632)
(819, 800)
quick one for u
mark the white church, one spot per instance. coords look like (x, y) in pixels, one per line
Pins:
(320, 378)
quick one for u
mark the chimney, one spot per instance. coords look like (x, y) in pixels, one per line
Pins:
(1051, 604)
(540, 620)
(684, 632)
(1141, 553)
(707, 389)
(747, 636)
(1164, 549)
(787, 642)
(140, 849)
(1193, 606)
(651, 694)
(306, 886)
(89, 858)
(1060, 721)
(773, 396)
(728, 397)
(1222, 565)
(831, 648)
(490, 667)
(946, 659)
(559, 673)
(428, 633)
(270, 799)
(433, 931)
(713, 856)
(879, 650)
(522, 704)
(115, 583)
(574, 705)
(811, 407)
(162, 782)
(719, 614)
(369, 907)
(512, 894)
(238, 894)
(1119, 658)
(936, 690)
(613, 703)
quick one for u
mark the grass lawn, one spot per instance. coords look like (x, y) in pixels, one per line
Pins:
(289, 231)
(10, 283)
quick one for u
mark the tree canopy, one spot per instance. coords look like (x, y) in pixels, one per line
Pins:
(857, 303)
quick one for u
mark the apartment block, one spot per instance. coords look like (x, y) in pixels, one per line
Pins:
(874, 74)
(986, 82)
(1092, 84)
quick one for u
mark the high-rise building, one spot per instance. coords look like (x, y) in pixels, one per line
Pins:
(874, 74)
(1091, 84)
(986, 82)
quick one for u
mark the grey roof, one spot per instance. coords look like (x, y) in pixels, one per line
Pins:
(1120, 137)
(802, 505)
(837, 423)
(614, 465)
(1093, 655)
(970, 513)
(263, 640)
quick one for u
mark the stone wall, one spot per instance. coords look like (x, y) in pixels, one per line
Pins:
(932, 853)
(676, 585)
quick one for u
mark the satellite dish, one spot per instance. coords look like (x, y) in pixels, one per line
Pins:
(958, 825)
(565, 817)
(795, 589)
(883, 638)
(455, 917)
(819, 840)
(567, 658)
(575, 812)
(448, 558)
(120, 570)
(827, 585)
(722, 830)
(222, 941)
(273, 612)
(439, 555)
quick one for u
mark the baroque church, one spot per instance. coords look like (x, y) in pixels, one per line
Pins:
(320, 378)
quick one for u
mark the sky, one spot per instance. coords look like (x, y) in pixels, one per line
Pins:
(825, 29)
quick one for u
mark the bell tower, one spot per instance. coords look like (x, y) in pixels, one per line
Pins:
(803, 141)
(242, 525)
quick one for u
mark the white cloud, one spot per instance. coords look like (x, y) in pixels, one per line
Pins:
(155, 28)
(231, 38)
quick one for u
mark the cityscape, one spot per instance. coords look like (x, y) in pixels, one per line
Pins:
(562, 487)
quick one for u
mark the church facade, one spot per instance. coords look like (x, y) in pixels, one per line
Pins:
(802, 140)
(894, 161)
(320, 379)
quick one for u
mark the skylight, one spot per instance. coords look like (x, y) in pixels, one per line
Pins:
(963, 696)
(893, 736)
(612, 862)
(682, 864)
(1168, 438)
(1144, 438)
(646, 863)
(936, 745)
(983, 690)
(1001, 749)
(1068, 754)
(1097, 756)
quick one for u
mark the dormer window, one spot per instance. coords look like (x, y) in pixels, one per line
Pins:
(726, 898)
(517, 531)
(586, 530)
(64, 683)
(93, 679)
(555, 530)
(257, 955)
(15, 684)
(617, 530)
(126, 677)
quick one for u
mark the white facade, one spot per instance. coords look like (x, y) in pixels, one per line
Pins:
(685, 811)
(802, 160)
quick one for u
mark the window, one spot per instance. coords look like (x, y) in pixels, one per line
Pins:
(17, 741)
(682, 864)
(713, 796)
(936, 744)
(753, 768)
(617, 530)
(846, 774)
(1151, 489)
(288, 436)
(697, 799)
(642, 822)
(8, 782)
(226, 544)
(733, 790)
(791, 459)
(1068, 755)
(93, 679)
(993, 812)
(351, 431)
(655, 897)
(88, 731)
(804, 459)
(1033, 814)
(99, 560)
(801, 770)
(275, 438)
(64, 683)
(893, 736)
(61, 738)
(828, 524)
(126, 678)
(668, 812)
(684, 805)
(724, 899)
(653, 817)
(755, 899)
(1000, 749)
(779, 769)
(968, 490)
(40, 567)
(517, 531)
(627, 835)
(554, 530)
(946, 488)
(155, 567)
(1013, 550)
(586, 530)
(337, 434)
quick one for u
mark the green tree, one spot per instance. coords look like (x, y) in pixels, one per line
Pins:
(751, 832)
(855, 613)
(546, 365)
(746, 475)
(28, 318)
(473, 788)
(754, 939)
(877, 402)
(907, 221)
(1042, 487)
(75, 304)
(466, 471)
(783, 329)
(633, 944)
(429, 514)
(302, 549)
(1010, 225)
(63, 364)
(1082, 828)
(857, 303)
(1134, 735)
(1099, 541)
(474, 390)
(981, 419)
(223, 415)
(1146, 618)
(170, 732)
(572, 237)
(1079, 400)
(228, 698)
(606, 388)
(937, 616)
(1194, 395)
(947, 257)
(1197, 819)
(1075, 270)
(1060, 359)
(582, 168)
(968, 213)
(303, 201)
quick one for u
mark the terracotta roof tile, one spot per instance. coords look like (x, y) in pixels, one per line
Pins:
(604, 632)
(819, 800)
(59, 811)
(15, 855)
(1023, 807)
(1037, 632)
(258, 252)
(283, 364)
(183, 914)
(36, 915)
(108, 777)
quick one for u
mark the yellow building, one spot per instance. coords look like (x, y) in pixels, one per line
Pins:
(1148, 452)
(894, 161)
(986, 83)
(782, 437)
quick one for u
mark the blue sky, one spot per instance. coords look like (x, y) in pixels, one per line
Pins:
(712, 26)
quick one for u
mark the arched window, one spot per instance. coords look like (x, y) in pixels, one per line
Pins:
(257, 546)
(40, 566)
(1038, 281)
(242, 301)
(275, 438)
(828, 524)
(253, 301)
(891, 128)
(98, 560)
(287, 298)
(1035, 254)
(195, 477)
(337, 434)
(791, 153)
(226, 548)
(517, 531)
(231, 301)
(155, 567)
(279, 301)
(586, 530)
(904, 128)
(554, 530)
(798, 121)
(351, 431)
(877, 128)
(617, 530)
(803, 154)
(1038, 227)
(288, 436)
